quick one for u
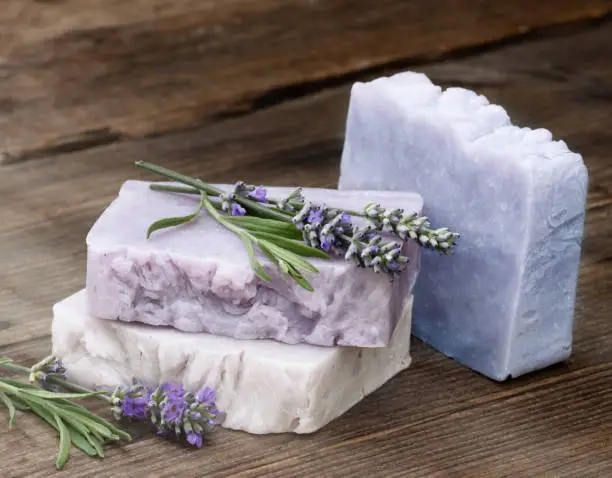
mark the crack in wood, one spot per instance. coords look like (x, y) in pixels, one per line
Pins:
(298, 90)
(187, 117)
(79, 142)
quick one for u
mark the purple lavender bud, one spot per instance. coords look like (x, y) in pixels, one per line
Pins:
(173, 410)
(207, 395)
(260, 194)
(345, 219)
(173, 391)
(134, 407)
(238, 210)
(315, 216)
(368, 251)
(195, 439)
(326, 242)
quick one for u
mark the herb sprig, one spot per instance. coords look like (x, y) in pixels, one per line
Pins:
(74, 423)
(287, 230)
(168, 407)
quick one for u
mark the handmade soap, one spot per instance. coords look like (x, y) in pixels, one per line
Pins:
(197, 277)
(503, 302)
(263, 386)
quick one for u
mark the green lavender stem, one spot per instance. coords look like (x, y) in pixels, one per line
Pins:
(423, 229)
(202, 186)
(75, 424)
(54, 380)
(188, 190)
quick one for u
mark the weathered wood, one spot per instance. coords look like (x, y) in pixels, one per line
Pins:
(435, 420)
(76, 74)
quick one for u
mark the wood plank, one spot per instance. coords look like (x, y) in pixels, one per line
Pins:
(77, 74)
(436, 419)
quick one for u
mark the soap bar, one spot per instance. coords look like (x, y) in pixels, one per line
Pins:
(503, 303)
(263, 386)
(197, 277)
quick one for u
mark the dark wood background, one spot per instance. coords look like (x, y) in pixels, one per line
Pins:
(258, 90)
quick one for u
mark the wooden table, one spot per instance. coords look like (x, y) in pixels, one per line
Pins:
(258, 90)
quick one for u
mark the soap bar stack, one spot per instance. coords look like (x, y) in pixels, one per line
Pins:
(185, 305)
(503, 303)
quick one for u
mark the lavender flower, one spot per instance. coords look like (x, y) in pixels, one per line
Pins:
(46, 368)
(289, 203)
(410, 226)
(172, 410)
(195, 439)
(259, 194)
(207, 395)
(316, 216)
(238, 210)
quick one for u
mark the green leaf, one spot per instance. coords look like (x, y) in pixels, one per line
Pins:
(54, 395)
(18, 384)
(82, 411)
(20, 405)
(42, 412)
(272, 226)
(291, 258)
(255, 264)
(85, 443)
(174, 221)
(11, 408)
(299, 278)
(65, 443)
(285, 267)
(102, 430)
(290, 245)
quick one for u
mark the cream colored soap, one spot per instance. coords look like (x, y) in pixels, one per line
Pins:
(264, 386)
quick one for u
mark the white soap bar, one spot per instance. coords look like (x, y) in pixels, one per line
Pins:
(503, 303)
(263, 386)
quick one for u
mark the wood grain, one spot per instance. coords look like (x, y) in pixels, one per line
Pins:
(78, 74)
(437, 419)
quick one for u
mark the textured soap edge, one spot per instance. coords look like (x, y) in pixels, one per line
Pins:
(565, 225)
(115, 357)
(459, 107)
(106, 283)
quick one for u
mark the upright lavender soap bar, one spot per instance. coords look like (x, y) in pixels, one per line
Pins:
(197, 277)
(503, 303)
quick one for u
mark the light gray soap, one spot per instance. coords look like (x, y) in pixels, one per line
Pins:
(503, 303)
(197, 277)
(263, 386)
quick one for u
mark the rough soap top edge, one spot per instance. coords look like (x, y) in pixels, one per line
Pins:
(78, 301)
(474, 119)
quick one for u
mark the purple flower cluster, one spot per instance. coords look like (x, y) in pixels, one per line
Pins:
(332, 231)
(410, 226)
(369, 250)
(228, 200)
(323, 228)
(171, 409)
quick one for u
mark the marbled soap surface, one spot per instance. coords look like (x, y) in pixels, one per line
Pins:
(262, 385)
(503, 303)
(197, 277)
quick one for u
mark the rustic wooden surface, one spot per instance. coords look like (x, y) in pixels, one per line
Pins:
(229, 88)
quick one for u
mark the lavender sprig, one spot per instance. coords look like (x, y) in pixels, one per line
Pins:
(410, 226)
(74, 423)
(172, 410)
(255, 217)
(184, 415)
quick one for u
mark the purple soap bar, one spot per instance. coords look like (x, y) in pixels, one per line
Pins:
(197, 277)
